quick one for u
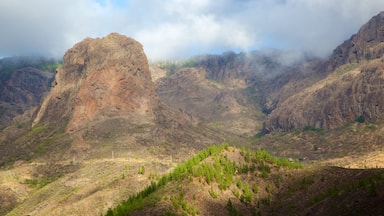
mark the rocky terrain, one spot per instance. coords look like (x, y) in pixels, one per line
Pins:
(111, 124)
(24, 82)
(228, 181)
(352, 86)
(213, 104)
(101, 78)
(102, 105)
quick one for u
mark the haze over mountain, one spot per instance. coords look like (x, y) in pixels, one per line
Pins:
(180, 29)
(110, 124)
(351, 86)
(24, 81)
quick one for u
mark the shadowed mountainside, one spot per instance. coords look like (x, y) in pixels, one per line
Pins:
(24, 81)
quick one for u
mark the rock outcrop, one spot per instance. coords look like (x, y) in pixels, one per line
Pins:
(353, 87)
(104, 98)
(23, 86)
(102, 78)
(367, 44)
(213, 104)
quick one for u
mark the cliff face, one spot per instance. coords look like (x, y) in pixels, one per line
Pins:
(23, 84)
(220, 106)
(101, 79)
(105, 98)
(227, 92)
(367, 44)
(243, 69)
(352, 87)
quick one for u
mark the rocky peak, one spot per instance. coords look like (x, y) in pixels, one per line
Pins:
(352, 89)
(102, 78)
(367, 44)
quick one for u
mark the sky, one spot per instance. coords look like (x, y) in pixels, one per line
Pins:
(175, 29)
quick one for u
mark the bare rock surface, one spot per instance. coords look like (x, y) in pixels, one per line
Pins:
(352, 87)
(101, 79)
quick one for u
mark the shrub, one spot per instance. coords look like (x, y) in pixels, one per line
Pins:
(247, 193)
(255, 188)
(236, 193)
(213, 193)
(360, 119)
(141, 170)
(232, 210)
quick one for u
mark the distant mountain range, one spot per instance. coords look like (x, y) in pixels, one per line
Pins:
(99, 126)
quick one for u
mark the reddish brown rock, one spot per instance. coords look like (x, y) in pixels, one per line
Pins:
(367, 44)
(353, 87)
(101, 78)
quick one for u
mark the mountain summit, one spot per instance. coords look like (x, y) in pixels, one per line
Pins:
(101, 79)
(367, 44)
(352, 88)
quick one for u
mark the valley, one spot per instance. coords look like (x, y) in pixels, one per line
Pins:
(106, 131)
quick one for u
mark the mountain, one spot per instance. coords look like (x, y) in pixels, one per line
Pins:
(24, 81)
(103, 93)
(228, 181)
(350, 86)
(226, 92)
(101, 79)
(111, 124)
(102, 107)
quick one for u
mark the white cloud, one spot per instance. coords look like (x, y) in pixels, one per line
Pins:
(180, 28)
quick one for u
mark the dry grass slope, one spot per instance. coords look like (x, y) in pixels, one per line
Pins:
(232, 181)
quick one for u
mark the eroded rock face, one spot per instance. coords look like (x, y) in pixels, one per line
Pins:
(367, 44)
(353, 87)
(22, 90)
(102, 78)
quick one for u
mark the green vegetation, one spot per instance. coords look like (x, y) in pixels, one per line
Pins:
(258, 136)
(307, 181)
(360, 119)
(22, 125)
(141, 170)
(179, 204)
(218, 169)
(368, 183)
(172, 66)
(189, 63)
(7, 66)
(314, 129)
(213, 193)
(180, 172)
(315, 147)
(37, 129)
(40, 148)
(247, 194)
(232, 210)
(39, 182)
(50, 66)
(346, 68)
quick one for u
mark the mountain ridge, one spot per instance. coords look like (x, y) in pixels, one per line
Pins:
(350, 87)
(106, 129)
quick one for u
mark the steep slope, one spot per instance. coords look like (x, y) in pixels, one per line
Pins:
(225, 92)
(213, 104)
(105, 94)
(101, 78)
(352, 87)
(222, 180)
(99, 125)
(24, 81)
